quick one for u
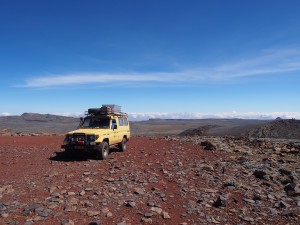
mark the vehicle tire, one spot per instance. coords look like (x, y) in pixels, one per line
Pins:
(102, 150)
(122, 145)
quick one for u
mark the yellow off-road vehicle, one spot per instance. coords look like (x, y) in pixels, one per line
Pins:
(101, 128)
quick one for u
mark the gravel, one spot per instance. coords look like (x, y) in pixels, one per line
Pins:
(159, 180)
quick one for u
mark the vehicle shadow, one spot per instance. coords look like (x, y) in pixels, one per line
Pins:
(64, 157)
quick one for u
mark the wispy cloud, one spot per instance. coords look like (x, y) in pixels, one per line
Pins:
(267, 62)
(92, 78)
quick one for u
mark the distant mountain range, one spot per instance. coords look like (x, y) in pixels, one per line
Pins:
(52, 124)
(38, 123)
(279, 128)
(289, 128)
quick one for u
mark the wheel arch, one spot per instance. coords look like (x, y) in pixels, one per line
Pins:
(106, 140)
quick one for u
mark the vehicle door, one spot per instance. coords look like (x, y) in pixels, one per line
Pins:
(126, 127)
(120, 129)
(114, 131)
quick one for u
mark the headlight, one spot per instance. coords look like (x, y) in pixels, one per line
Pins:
(91, 138)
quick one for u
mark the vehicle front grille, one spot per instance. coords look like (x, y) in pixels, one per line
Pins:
(78, 138)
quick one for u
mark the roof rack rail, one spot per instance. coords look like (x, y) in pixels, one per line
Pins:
(104, 114)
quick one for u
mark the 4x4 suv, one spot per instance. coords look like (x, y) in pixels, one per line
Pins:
(100, 129)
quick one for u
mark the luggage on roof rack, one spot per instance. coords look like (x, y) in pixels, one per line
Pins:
(105, 109)
(94, 111)
(111, 108)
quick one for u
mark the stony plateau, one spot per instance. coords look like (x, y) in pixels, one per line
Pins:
(158, 180)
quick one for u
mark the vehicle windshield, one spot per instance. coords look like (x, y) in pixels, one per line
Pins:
(96, 123)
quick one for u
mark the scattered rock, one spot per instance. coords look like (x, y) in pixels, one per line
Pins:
(260, 174)
(247, 219)
(139, 191)
(91, 213)
(95, 223)
(131, 204)
(146, 220)
(67, 222)
(156, 179)
(4, 215)
(148, 214)
(70, 208)
(208, 145)
(29, 222)
(122, 223)
(166, 215)
(221, 202)
(292, 189)
(156, 209)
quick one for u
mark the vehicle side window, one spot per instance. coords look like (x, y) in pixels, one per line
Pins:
(120, 121)
(125, 122)
(113, 123)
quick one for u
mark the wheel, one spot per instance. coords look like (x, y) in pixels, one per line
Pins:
(102, 150)
(122, 145)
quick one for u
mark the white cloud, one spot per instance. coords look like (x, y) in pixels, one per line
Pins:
(70, 114)
(267, 62)
(5, 114)
(224, 115)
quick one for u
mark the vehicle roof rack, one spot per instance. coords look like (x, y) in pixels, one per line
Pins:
(106, 109)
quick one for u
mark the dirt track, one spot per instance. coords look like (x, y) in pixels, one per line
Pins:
(158, 181)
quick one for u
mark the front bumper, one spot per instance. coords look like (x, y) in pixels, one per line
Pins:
(89, 147)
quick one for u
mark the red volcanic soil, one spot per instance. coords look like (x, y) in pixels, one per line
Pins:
(156, 181)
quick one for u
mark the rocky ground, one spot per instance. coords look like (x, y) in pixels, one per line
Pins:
(159, 180)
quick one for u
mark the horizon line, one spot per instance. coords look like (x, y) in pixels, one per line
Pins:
(134, 116)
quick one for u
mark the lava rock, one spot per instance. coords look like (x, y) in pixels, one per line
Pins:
(221, 201)
(260, 174)
(208, 145)
(95, 223)
(292, 189)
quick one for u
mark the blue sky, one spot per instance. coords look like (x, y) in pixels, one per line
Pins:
(167, 59)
